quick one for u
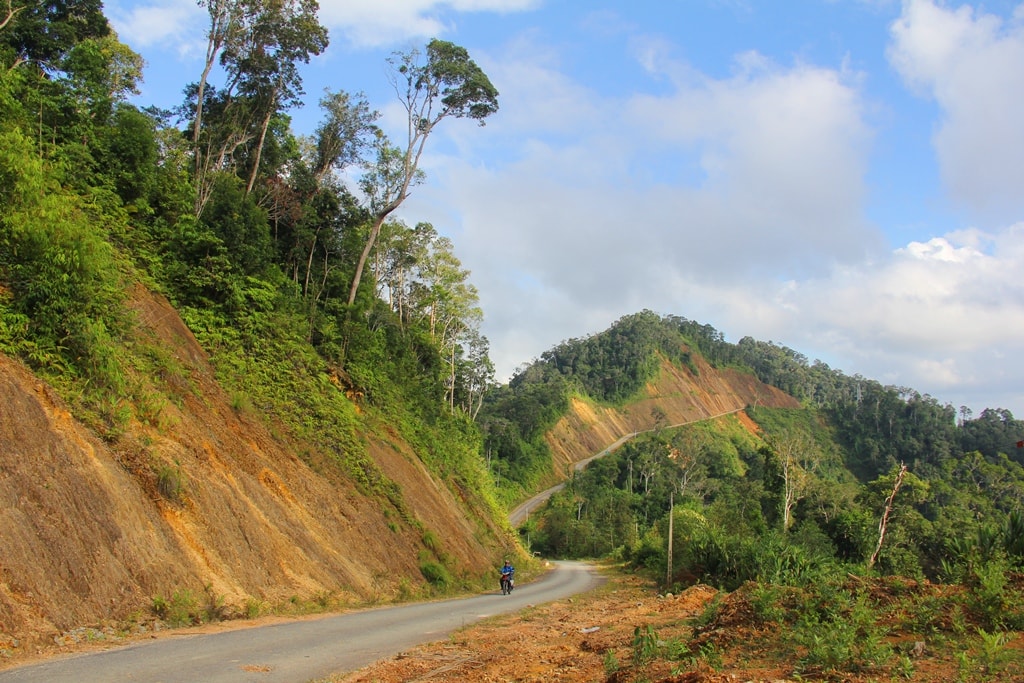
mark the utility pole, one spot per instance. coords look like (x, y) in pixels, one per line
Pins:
(671, 508)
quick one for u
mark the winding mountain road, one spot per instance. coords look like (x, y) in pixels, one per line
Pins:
(523, 510)
(299, 651)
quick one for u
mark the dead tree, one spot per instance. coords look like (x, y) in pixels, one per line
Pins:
(885, 514)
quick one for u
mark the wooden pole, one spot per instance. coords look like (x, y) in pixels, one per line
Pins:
(671, 508)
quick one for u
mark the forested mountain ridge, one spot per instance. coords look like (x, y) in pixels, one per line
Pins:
(676, 395)
(855, 475)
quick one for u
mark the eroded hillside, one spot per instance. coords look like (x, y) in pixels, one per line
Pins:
(89, 537)
(677, 396)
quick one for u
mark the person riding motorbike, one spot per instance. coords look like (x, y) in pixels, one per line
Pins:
(507, 572)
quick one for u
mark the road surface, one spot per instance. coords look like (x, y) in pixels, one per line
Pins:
(299, 651)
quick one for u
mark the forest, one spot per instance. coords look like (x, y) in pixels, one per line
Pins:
(807, 494)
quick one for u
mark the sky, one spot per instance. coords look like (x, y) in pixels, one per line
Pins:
(841, 177)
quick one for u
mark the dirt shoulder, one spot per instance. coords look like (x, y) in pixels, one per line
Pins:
(626, 632)
(569, 640)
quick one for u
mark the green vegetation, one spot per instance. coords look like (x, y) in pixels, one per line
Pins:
(799, 519)
(184, 608)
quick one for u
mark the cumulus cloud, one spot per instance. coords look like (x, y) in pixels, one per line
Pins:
(375, 23)
(945, 316)
(969, 62)
(157, 23)
(357, 23)
(608, 204)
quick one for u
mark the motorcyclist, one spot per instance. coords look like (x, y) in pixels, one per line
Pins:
(507, 573)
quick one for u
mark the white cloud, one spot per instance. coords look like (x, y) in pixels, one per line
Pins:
(736, 202)
(375, 23)
(970, 63)
(605, 205)
(359, 23)
(942, 316)
(157, 23)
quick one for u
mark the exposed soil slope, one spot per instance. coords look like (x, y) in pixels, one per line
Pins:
(87, 539)
(676, 397)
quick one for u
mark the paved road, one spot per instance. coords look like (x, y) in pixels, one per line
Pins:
(299, 651)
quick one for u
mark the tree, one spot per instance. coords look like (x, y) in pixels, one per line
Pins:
(884, 522)
(10, 12)
(225, 17)
(343, 135)
(263, 63)
(259, 44)
(447, 84)
(478, 372)
(42, 32)
(100, 72)
(798, 459)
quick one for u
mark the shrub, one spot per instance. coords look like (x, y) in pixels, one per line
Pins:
(841, 636)
(170, 482)
(436, 574)
(181, 609)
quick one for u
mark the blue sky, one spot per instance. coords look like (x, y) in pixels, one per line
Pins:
(844, 177)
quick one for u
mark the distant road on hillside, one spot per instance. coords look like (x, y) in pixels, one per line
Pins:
(301, 650)
(522, 511)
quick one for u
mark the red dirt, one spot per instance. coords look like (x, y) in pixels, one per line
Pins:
(591, 638)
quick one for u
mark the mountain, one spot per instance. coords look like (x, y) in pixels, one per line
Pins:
(676, 395)
(229, 384)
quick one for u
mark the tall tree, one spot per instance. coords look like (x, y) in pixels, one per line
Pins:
(344, 134)
(225, 24)
(446, 84)
(263, 64)
(43, 31)
(799, 458)
(259, 44)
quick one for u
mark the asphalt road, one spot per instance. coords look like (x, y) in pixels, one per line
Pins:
(299, 651)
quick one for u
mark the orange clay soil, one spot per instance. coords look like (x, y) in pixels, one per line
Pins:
(592, 638)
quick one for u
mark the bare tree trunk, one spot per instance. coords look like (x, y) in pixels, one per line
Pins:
(671, 514)
(363, 257)
(259, 151)
(885, 514)
(309, 263)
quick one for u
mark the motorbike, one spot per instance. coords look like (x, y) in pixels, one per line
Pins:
(507, 584)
